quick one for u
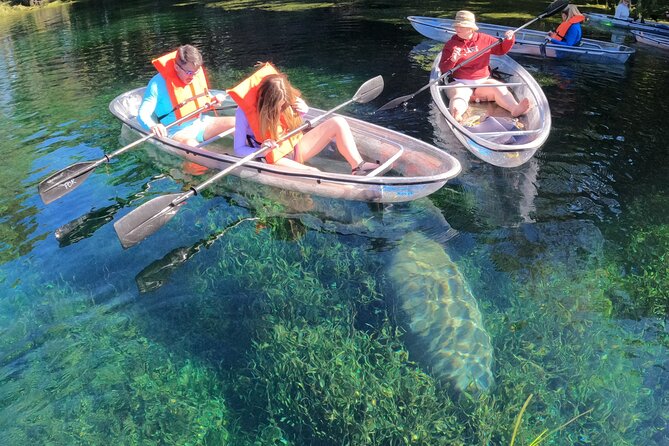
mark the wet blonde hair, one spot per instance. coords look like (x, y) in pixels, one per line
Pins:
(571, 11)
(275, 97)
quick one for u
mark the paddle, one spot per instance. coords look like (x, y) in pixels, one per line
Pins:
(554, 7)
(152, 215)
(66, 180)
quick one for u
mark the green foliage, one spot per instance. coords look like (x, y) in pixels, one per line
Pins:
(646, 260)
(639, 260)
(93, 377)
(329, 384)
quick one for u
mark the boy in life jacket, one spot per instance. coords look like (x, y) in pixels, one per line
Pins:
(179, 88)
(569, 32)
(270, 107)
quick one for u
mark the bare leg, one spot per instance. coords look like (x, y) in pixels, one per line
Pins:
(458, 101)
(503, 97)
(314, 141)
(218, 125)
(185, 139)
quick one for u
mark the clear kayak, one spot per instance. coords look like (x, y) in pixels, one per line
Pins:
(530, 42)
(652, 39)
(631, 24)
(412, 168)
(488, 131)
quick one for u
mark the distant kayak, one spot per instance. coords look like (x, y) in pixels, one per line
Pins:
(609, 20)
(656, 40)
(530, 42)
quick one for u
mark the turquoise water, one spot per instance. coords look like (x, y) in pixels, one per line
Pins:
(264, 317)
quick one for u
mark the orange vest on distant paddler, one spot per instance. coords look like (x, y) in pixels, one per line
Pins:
(245, 94)
(185, 98)
(564, 26)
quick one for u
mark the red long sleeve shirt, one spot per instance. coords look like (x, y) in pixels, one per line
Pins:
(457, 50)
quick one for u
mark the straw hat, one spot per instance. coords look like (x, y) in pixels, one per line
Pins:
(466, 19)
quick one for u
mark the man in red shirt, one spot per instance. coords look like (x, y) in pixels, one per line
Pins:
(465, 44)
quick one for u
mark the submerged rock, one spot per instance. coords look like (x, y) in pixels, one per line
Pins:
(443, 314)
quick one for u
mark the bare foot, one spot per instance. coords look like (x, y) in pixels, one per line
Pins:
(521, 108)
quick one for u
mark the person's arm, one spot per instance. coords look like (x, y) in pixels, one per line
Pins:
(242, 129)
(572, 38)
(505, 46)
(300, 107)
(148, 106)
(450, 55)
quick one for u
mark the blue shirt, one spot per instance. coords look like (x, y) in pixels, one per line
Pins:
(157, 102)
(573, 36)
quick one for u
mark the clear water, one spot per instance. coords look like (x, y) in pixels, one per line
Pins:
(262, 316)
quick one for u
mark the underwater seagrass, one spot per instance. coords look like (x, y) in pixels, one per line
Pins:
(443, 313)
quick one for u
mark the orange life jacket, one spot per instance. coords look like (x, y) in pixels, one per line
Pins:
(245, 94)
(561, 31)
(185, 98)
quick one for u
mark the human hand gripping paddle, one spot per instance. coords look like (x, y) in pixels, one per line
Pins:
(152, 215)
(554, 7)
(66, 180)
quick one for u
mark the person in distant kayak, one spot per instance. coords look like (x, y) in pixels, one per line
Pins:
(179, 88)
(569, 32)
(623, 10)
(465, 44)
(270, 107)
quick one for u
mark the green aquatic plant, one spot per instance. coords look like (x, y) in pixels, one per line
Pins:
(646, 259)
(91, 377)
(638, 261)
(328, 383)
(545, 433)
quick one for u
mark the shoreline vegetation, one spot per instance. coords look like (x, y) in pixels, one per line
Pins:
(9, 9)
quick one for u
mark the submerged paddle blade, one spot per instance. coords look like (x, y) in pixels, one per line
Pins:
(64, 181)
(146, 219)
(369, 90)
(557, 5)
(395, 102)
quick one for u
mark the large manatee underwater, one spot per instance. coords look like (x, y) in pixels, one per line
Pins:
(443, 314)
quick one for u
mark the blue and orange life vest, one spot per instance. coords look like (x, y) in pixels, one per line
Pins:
(562, 29)
(245, 94)
(185, 98)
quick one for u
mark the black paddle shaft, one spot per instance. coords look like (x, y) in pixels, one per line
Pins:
(66, 180)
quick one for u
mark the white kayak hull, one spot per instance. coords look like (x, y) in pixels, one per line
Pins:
(656, 40)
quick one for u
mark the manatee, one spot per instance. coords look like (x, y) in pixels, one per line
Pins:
(442, 313)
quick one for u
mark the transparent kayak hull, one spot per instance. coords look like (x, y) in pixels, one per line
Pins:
(418, 169)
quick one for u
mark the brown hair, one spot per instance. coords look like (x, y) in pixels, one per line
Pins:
(189, 54)
(275, 97)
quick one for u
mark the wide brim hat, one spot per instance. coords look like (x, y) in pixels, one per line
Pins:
(466, 19)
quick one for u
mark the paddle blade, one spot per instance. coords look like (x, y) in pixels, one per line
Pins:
(146, 219)
(395, 102)
(557, 5)
(64, 181)
(369, 90)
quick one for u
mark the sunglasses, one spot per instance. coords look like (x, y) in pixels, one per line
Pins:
(187, 72)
